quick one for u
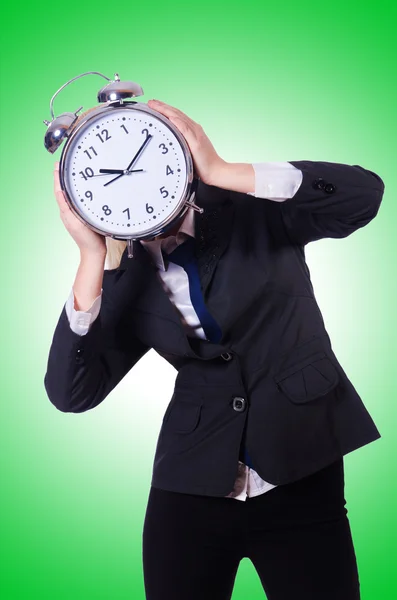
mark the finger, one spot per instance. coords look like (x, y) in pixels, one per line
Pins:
(62, 203)
(186, 126)
(57, 184)
(164, 109)
(183, 127)
(56, 176)
(59, 193)
(168, 110)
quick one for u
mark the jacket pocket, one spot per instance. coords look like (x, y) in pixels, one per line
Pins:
(183, 416)
(308, 379)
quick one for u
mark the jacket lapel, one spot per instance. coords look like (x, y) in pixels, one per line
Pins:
(212, 234)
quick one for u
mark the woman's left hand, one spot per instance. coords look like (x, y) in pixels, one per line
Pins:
(209, 166)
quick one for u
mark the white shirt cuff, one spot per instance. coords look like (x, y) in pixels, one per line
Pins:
(276, 180)
(80, 320)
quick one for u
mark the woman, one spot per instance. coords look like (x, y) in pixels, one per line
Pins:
(249, 460)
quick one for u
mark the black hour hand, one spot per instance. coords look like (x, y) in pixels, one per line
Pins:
(119, 173)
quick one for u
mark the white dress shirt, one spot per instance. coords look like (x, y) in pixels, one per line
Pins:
(274, 181)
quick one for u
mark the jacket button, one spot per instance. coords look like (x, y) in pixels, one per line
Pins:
(239, 403)
(79, 355)
(319, 183)
(329, 188)
(227, 356)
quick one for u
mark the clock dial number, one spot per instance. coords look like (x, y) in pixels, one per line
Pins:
(127, 210)
(88, 195)
(106, 210)
(93, 152)
(104, 136)
(164, 147)
(149, 209)
(146, 132)
(88, 172)
(125, 128)
(169, 171)
(164, 192)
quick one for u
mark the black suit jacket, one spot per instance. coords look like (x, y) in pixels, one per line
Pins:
(273, 378)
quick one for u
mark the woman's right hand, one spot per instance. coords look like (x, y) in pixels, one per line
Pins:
(89, 241)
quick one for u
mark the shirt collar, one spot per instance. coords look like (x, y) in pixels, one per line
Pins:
(168, 244)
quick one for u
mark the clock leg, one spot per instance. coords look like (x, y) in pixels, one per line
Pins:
(130, 246)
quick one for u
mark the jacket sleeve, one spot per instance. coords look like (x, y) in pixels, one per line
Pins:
(333, 201)
(83, 369)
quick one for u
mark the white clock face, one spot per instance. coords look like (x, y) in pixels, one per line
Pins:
(139, 194)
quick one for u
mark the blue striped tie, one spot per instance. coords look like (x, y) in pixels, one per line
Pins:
(184, 256)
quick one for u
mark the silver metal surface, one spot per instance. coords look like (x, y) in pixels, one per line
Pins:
(70, 81)
(57, 130)
(130, 246)
(114, 91)
(119, 90)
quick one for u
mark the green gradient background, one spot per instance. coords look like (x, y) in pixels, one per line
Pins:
(267, 81)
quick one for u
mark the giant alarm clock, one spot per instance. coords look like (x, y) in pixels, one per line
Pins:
(126, 170)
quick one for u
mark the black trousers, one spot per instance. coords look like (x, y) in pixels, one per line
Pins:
(296, 535)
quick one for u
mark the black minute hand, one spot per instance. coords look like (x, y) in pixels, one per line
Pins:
(149, 137)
